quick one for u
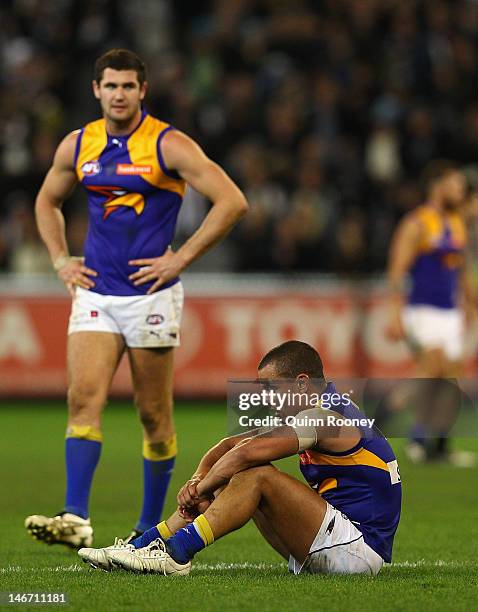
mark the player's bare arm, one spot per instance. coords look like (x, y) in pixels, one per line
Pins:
(278, 443)
(188, 490)
(182, 154)
(56, 188)
(403, 252)
(470, 298)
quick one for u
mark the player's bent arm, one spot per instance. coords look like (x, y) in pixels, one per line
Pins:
(467, 284)
(182, 154)
(313, 430)
(187, 494)
(217, 451)
(403, 252)
(469, 293)
(259, 450)
(57, 186)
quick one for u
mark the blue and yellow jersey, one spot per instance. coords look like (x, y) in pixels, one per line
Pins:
(363, 483)
(436, 270)
(133, 201)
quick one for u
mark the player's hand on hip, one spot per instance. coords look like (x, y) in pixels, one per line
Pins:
(394, 330)
(73, 272)
(158, 269)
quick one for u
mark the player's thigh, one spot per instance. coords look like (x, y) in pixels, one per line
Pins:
(271, 536)
(292, 509)
(431, 362)
(453, 368)
(152, 373)
(92, 361)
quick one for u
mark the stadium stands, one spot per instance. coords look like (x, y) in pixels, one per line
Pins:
(324, 112)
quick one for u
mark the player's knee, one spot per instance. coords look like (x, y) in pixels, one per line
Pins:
(85, 399)
(265, 474)
(156, 421)
(149, 421)
(259, 475)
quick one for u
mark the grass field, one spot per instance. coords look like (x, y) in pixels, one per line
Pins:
(435, 556)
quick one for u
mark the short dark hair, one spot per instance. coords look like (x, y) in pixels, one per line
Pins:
(120, 59)
(436, 170)
(293, 358)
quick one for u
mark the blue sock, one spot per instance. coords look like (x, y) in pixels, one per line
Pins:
(418, 434)
(157, 475)
(184, 544)
(146, 538)
(82, 456)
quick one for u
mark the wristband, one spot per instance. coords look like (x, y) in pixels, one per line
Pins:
(62, 260)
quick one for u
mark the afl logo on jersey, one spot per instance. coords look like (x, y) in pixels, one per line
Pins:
(91, 168)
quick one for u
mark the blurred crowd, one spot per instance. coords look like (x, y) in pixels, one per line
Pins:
(323, 112)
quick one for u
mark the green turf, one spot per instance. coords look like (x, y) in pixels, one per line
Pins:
(435, 548)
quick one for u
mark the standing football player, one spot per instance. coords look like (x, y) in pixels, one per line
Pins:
(127, 296)
(428, 246)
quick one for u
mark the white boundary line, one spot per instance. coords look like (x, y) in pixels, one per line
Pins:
(75, 568)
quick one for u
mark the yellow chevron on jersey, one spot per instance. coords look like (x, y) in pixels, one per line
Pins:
(362, 456)
(327, 485)
(142, 146)
(93, 142)
(433, 223)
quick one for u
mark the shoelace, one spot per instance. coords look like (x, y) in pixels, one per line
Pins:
(157, 545)
(156, 548)
(120, 543)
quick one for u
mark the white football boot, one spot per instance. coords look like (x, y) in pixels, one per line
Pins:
(100, 558)
(152, 559)
(66, 528)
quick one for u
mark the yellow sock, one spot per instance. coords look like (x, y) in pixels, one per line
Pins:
(84, 432)
(164, 530)
(204, 529)
(160, 451)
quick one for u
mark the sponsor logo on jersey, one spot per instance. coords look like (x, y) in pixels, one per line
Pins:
(154, 319)
(133, 169)
(91, 168)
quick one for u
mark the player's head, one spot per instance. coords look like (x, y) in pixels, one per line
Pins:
(119, 84)
(444, 183)
(293, 360)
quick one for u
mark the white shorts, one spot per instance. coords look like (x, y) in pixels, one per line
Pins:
(144, 321)
(429, 327)
(338, 548)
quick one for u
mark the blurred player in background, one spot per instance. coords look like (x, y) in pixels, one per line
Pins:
(126, 293)
(343, 523)
(471, 222)
(429, 247)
